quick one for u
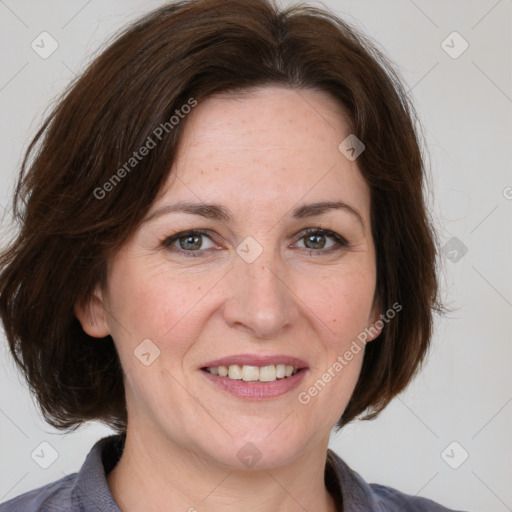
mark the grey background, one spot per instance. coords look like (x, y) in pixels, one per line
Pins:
(464, 393)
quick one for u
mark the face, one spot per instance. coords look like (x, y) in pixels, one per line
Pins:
(260, 285)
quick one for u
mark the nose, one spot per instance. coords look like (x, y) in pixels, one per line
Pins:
(261, 299)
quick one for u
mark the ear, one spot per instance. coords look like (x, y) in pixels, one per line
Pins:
(375, 328)
(91, 313)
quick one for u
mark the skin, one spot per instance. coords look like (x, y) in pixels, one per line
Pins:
(260, 153)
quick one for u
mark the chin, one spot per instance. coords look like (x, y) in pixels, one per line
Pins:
(264, 446)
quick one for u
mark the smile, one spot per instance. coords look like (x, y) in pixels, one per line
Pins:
(248, 373)
(255, 377)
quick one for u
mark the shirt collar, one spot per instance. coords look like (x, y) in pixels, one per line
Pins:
(349, 490)
(91, 482)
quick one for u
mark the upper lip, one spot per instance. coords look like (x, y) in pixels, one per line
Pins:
(257, 360)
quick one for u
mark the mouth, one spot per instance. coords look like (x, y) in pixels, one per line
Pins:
(255, 377)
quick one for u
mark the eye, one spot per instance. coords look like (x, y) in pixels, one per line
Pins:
(189, 241)
(315, 240)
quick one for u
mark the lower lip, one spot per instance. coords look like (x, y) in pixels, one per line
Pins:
(256, 390)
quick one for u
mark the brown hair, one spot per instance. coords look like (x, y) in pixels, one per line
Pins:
(184, 50)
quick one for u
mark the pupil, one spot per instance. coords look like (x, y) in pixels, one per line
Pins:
(312, 237)
(188, 239)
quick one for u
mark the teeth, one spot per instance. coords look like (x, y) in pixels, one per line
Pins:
(235, 372)
(269, 374)
(280, 371)
(249, 373)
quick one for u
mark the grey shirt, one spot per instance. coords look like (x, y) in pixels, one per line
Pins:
(88, 491)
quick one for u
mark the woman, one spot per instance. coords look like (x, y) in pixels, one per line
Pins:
(224, 254)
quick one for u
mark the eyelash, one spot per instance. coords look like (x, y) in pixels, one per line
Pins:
(340, 242)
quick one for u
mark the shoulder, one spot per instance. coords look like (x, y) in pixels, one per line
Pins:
(85, 491)
(392, 498)
(358, 495)
(54, 497)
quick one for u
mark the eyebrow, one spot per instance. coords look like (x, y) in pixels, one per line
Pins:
(219, 212)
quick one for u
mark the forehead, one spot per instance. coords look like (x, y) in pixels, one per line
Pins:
(303, 121)
(259, 149)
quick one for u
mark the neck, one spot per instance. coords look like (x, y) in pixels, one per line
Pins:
(161, 475)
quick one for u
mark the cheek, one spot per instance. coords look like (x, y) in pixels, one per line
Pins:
(151, 297)
(340, 302)
(156, 303)
(322, 400)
